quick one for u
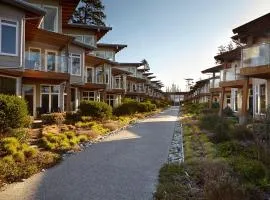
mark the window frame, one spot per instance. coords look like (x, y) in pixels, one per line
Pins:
(17, 36)
(75, 55)
(57, 18)
(46, 60)
(40, 56)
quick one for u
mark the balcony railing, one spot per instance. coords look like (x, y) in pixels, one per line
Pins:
(230, 75)
(46, 62)
(255, 56)
(214, 83)
(118, 85)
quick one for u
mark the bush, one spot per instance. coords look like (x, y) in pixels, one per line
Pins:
(95, 109)
(73, 117)
(22, 134)
(13, 113)
(99, 129)
(53, 118)
(85, 124)
(227, 112)
(209, 121)
(130, 107)
(234, 148)
(250, 170)
(241, 133)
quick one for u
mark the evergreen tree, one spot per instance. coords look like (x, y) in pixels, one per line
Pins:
(90, 12)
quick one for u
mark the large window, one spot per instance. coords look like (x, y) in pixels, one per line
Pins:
(76, 64)
(51, 61)
(89, 75)
(50, 22)
(7, 85)
(99, 74)
(34, 59)
(105, 54)
(88, 95)
(86, 39)
(8, 37)
(110, 99)
(50, 98)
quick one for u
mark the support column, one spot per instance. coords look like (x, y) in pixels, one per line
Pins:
(221, 101)
(68, 91)
(211, 100)
(244, 114)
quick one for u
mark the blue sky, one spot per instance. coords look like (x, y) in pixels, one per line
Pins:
(178, 38)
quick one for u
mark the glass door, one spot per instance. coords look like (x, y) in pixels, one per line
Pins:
(51, 61)
(29, 96)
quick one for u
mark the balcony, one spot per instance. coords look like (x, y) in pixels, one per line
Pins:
(46, 67)
(46, 62)
(231, 78)
(256, 61)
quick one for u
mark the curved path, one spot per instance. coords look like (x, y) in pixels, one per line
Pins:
(122, 167)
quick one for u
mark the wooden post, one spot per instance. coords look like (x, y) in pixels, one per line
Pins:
(68, 91)
(244, 114)
(221, 101)
(211, 100)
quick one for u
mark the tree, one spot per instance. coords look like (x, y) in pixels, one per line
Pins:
(90, 12)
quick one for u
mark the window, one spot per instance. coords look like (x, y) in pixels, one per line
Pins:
(8, 85)
(89, 74)
(99, 74)
(88, 95)
(228, 99)
(110, 100)
(50, 22)
(50, 98)
(34, 59)
(76, 64)
(8, 37)
(51, 61)
(262, 98)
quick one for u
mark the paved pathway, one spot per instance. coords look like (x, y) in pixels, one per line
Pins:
(122, 167)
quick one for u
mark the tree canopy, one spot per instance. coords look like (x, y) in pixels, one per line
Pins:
(90, 12)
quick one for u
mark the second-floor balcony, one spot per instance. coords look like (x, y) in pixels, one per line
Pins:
(256, 61)
(49, 62)
(255, 56)
(214, 83)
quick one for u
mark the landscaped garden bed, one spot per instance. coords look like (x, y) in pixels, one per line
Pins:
(25, 151)
(223, 160)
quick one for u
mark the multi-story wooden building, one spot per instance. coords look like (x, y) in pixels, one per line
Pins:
(53, 63)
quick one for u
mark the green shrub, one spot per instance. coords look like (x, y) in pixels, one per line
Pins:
(85, 124)
(19, 156)
(99, 129)
(209, 121)
(10, 145)
(53, 118)
(130, 107)
(13, 113)
(241, 133)
(235, 148)
(250, 170)
(83, 138)
(227, 112)
(22, 134)
(73, 117)
(95, 109)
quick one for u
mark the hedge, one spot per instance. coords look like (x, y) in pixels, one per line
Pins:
(95, 109)
(13, 113)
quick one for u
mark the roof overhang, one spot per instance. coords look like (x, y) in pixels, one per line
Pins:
(213, 69)
(96, 61)
(115, 47)
(258, 27)
(40, 35)
(100, 31)
(117, 71)
(234, 54)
